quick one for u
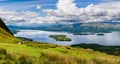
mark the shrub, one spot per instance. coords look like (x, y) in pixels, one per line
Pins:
(68, 47)
(24, 59)
(3, 51)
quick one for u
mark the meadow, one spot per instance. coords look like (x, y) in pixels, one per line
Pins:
(40, 53)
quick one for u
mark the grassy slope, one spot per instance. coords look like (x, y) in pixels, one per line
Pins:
(55, 50)
(6, 37)
(53, 54)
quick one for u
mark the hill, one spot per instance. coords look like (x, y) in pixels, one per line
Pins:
(6, 35)
(3, 26)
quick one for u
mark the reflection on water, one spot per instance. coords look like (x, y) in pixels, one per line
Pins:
(43, 36)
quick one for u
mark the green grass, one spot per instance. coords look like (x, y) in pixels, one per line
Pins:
(55, 54)
(7, 37)
(15, 48)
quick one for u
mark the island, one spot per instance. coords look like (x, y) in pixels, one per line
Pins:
(100, 34)
(60, 37)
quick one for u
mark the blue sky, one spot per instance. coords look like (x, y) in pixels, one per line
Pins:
(52, 11)
(23, 5)
(30, 4)
(46, 4)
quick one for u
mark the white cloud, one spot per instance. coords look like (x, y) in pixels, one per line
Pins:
(21, 18)
(108, 11)
(67, 7)
(39, 7)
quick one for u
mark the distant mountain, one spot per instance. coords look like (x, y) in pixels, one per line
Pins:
(76, 28)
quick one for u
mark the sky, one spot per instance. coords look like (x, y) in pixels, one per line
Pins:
(37, 12)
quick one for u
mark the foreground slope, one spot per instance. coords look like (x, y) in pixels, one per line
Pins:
(40, 53)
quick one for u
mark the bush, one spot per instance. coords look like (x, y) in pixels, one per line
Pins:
(24, 59)
(3, 51)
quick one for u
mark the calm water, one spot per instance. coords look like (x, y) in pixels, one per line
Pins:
(43, 36)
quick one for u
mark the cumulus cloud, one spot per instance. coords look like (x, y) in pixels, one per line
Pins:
(20, 18)
(109, 11)
(65, 12)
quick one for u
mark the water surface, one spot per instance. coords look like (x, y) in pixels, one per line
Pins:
(43, 36)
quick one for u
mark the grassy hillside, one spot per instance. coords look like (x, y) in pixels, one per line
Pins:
(2, 25)
(7, 37)
(39, 53)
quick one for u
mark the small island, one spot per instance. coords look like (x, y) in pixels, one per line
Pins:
(60, 37)
(100, 34)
